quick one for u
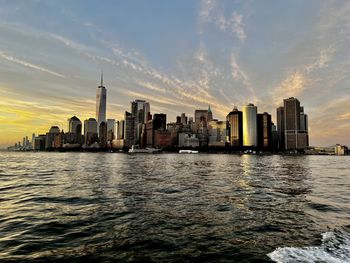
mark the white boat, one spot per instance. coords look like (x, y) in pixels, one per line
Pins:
(136, 149)
(187, 151)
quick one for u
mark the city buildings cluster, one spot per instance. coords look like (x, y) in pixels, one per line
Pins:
(243, 130)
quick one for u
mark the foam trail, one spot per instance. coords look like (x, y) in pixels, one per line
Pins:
(335, 248)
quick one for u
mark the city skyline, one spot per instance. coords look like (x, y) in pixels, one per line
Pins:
(50, 70)
(245, 130)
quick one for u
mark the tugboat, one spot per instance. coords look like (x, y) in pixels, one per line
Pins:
(136, 149)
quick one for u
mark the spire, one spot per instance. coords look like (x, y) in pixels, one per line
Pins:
(209, 110)
(101, 78)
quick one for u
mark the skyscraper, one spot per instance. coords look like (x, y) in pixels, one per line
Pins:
(280, 127)
(234, 127)
(201, 125)
(178, 119)
(291, 122)
(152, 126)
(73, 136)
(274, 136)
(147, 112)
(74, 125)
(200, 115)
(102, 134)
(217, 133)
(264, 131)
(129, 129)
(304, 125)
(101, 101)
(292, 125)
(159, 121)
(110, 129)
(90, 131)
(120, 129)
(183, 119)
(140, 109)
(250, 125)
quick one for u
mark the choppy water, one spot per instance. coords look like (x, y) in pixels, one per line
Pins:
(96, 207)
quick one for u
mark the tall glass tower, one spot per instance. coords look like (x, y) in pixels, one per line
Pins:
(101, 101)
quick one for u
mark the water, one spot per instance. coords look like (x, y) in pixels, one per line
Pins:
(100, 207)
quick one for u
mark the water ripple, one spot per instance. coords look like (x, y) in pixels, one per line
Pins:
(83, 207)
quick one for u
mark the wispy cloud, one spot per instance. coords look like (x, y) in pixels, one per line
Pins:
(229, 59)
(343, 117)
(233, 24)
(213, 12)
(151, 86)
(29, 65)
(238, 74)
(321, 61)
(151, 98)
(292, 86)
(206, 9)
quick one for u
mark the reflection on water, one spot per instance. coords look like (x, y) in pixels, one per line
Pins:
(166, 207)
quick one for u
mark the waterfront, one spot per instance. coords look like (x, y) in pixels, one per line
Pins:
(102, 207)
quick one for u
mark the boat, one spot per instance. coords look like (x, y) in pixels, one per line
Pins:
(136, 149)
(187, 151)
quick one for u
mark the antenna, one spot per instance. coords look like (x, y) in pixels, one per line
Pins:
(101, 78)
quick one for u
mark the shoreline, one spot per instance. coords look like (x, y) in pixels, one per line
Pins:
(177, 152)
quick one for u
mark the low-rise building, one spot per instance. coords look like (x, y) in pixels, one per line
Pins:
(162, 139)
(340, 149)
(188, 140)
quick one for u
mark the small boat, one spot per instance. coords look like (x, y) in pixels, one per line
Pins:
(136, 149)
(187, 151)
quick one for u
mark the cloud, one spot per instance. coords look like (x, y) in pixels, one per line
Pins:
(298, 81)
(151, 86)
(292, 86)
(234, 24)
(29, 65)
(330, 122)
(206, 9)
(211, 11)
(238, 74)
(343, 117)
(325, 56)
(151, 98)
(222, 65)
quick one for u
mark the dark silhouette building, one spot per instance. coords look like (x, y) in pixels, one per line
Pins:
(292, 125)
(50, 137)
(280, 128)
(90, 131)
(129, 129)
(157, 123)
(264, 131)
(102, 134)
(234, 128)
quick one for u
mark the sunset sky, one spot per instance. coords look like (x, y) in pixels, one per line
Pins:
(179, 55)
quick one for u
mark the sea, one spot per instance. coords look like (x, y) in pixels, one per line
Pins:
(115, 207)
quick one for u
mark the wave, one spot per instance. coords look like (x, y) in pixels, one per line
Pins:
(335, 248)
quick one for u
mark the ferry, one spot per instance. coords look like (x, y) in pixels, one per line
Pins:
(187, 151)
(136, 149)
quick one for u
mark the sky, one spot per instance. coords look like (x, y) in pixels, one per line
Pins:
(179, 55)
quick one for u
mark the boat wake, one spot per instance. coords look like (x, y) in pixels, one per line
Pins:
(335, 248)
